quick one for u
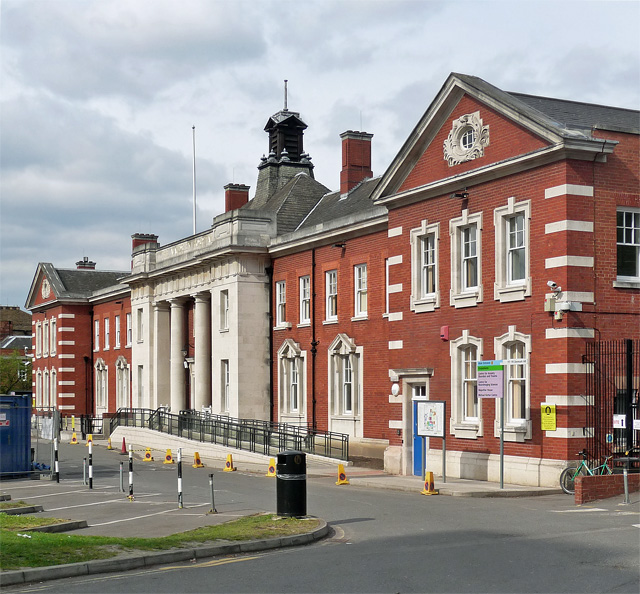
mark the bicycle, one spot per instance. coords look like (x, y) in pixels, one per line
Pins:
(568, 475)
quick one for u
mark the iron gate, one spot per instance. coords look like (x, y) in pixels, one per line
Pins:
(612, 396)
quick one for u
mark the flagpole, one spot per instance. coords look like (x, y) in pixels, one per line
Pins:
(193, 128)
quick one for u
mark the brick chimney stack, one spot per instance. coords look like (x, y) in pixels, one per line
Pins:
(356, 159)
(138, 239)
(235, 196)
(85, 264)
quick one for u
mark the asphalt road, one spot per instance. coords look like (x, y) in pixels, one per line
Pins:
(386, 541)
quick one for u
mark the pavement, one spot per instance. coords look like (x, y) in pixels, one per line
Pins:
(140, 516)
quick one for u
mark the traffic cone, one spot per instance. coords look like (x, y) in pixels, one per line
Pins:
(168, 459)
(89, 439)
(109, 447)
(197, 463)
(228, 466)
(123, 451)
(272, 467)
(342, 477)
(74, 439)
(147, 456)
(428, 485)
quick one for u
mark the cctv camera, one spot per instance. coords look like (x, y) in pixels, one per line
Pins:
(554, 287)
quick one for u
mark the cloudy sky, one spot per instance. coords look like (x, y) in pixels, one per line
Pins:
(98, 99)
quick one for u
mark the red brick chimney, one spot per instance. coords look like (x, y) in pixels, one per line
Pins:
(235, 196)
(142, 239)
(356, 159)
(85, 264)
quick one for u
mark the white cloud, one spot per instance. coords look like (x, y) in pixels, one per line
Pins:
(99, 98)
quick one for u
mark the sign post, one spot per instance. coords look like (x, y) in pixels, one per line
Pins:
(431, 423)
(490, 380)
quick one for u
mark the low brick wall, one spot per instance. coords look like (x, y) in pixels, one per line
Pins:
(590, 488)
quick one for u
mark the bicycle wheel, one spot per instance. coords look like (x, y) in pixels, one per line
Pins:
(567, 480)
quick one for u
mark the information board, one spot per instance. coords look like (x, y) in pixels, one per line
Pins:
(431, 418)
(490, 379)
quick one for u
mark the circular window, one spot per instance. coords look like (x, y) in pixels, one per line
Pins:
(467, 138)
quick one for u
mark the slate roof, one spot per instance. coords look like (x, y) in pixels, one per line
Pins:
(561, 116)
(291, 203)
(334, 205)
(584, 115)
(18, 343)
(72, 283)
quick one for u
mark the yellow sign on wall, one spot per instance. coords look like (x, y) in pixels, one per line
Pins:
(548, 417)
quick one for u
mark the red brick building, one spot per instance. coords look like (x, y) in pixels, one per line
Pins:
(511, 233)
(506, 230)
(81, 339)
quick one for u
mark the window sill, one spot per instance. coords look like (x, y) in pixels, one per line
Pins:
(514, 433)
(467, 430)
(328, 322)
(304, 325)
(285, 326)
(626, 284)
(425, 304)
(466, 299)
(508, 293)
(223, 330)
(359, 318)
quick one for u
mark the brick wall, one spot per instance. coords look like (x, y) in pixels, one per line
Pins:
(591, 488)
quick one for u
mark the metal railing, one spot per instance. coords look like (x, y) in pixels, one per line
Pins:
(244, 434)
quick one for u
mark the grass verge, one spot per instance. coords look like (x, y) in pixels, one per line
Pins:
(21, 549)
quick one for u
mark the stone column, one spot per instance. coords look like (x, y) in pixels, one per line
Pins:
(161, 355)
(178, 341)
(202, 324)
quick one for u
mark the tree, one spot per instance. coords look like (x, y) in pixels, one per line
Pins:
(15, 373)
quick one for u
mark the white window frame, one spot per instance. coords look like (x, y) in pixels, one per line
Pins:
(305, 300)
(421, 299)
(331, 295)
(129, 329)
(505, 288)
(341, 417)
(140, 324)
(53, 389)
(38, 339)
(102, 385)
(361, 305)
(224, 310)
(116, 323)
(45, 389)
(631, 237)
(291, 357)
(107, 333)
(225, 375)
(39, 388)
(53, 335)
(140, 386)
(515, 429)
(45, 338)
(122, 383)
(281, 305)
(96, 335)
(460, 294)
(461, 425)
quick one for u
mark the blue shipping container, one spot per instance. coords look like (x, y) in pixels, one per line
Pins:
(15, 434)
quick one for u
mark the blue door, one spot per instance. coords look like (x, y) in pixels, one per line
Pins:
(417, 443)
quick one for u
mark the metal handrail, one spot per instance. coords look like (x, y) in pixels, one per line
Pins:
(244, 434)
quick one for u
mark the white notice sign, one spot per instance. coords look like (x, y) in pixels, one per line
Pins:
(431, 415)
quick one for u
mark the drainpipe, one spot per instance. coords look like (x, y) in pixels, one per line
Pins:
(314, 342)
(269, 272)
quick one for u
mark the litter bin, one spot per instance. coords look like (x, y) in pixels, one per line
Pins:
(291, 484)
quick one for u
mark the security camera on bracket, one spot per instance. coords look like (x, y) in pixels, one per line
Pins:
(555, 288)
